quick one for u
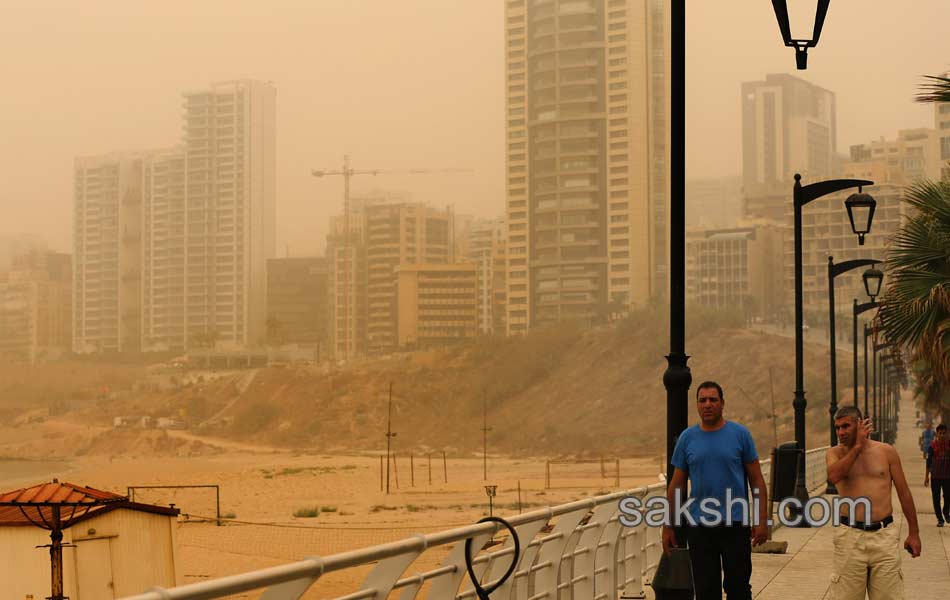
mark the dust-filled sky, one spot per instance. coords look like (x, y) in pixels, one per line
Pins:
(398, 84)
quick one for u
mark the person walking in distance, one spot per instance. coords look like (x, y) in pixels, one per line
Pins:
(926, 436)
(867, 548)
(937, 475)
(719, 460)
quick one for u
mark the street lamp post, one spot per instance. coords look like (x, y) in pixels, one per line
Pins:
(833, 271)
(856, 310)
(867, 332)
(677, 377)
(856, 205)
(877, 393)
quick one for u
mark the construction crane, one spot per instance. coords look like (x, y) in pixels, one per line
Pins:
(347, 172)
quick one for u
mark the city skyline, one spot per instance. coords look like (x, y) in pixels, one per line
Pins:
(449, 103)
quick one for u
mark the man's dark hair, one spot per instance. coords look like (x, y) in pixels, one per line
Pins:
(941, 427)
(706, 385)
(848, 411)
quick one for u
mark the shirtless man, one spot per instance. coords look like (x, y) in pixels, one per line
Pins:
(867, 547)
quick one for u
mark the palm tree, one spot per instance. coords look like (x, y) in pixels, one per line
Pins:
(916, 311)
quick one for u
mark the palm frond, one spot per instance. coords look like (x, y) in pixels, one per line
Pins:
(935, 89)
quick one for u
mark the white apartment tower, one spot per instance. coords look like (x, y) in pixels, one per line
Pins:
(230, 210)
(587, 140)
(190, 237)
(107, 224)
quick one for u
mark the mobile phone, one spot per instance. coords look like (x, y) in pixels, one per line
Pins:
(909, 549)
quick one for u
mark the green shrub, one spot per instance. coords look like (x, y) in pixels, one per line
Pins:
(307, 512)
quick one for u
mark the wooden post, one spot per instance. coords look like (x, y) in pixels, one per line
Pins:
(430, 468)
(445, 469)
(547, 474)
(617, 462)
(412, 472)
(519, 496)
(396, 469)
(56, 555)
(380, 472)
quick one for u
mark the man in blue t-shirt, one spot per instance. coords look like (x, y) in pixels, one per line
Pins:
(718, 458)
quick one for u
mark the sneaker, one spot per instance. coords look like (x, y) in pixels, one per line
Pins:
(939, 523)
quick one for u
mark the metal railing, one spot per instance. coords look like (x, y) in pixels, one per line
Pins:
(575, 550)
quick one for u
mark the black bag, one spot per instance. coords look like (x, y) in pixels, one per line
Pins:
(674, 576)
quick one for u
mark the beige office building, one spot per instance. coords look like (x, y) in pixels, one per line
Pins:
(913, 155)
(36, 307)
(437, 305)
(736, 268)
(386, 231)
(587, 141)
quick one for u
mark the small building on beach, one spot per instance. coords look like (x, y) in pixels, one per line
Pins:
(111, 547)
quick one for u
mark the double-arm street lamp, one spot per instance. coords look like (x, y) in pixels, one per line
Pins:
(860, 208)
(677, 377)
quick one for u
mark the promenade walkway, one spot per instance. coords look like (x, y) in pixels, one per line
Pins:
(804, 572)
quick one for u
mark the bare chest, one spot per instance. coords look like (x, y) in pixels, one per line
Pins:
(871, 466)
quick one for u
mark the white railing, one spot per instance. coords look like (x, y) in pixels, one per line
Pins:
(575, 550)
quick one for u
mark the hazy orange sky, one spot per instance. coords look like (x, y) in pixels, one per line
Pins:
(397, 84)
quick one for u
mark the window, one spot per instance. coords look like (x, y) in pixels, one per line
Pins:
(619, 133)
(618, 122)
(617, 50)
(619, 85)
(622, 37)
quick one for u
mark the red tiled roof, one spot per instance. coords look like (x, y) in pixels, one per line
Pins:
(35, 515)
(63, 494)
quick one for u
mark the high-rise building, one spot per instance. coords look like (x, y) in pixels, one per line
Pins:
(172, 244)
(297, 301)
(108, 253)
(788, 126)
(384, 234)
(587, 141)
(165, 252)
(487, 248)
(230, 137)
(36, 307)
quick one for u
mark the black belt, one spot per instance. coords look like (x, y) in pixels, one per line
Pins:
(869, 526)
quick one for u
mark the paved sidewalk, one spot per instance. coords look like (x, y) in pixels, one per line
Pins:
(804, 572)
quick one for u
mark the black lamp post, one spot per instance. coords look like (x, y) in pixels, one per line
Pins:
(857, 310)
(801, 46)
(677, 377)
(877, 392)
(867, 333)
(802, 195)
(833, 271)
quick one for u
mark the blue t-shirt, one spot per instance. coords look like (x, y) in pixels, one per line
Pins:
(715, 462)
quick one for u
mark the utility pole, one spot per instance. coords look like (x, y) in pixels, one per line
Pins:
(390, 434)
(485, 430)
(347, 172)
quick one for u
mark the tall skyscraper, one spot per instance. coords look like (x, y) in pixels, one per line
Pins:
(172, 244)
(108, 252)
(230, 166)
(587, 140)
(788, 126)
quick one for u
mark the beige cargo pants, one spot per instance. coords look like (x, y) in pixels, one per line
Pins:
(867, 560)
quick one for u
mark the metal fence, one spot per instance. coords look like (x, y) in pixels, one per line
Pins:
(575, 550)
